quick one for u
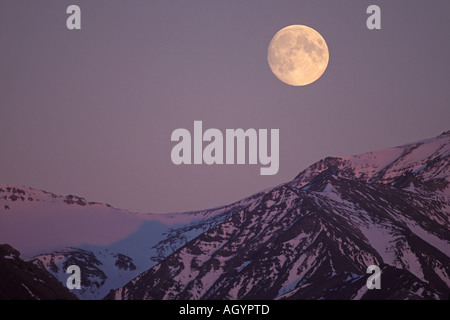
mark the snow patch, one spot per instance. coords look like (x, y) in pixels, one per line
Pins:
(361, 292)
(443, 275)
(242, 267)
(382, 240)
(288, 287)
(440, 244)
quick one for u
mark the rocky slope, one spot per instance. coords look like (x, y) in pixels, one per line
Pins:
(314, 237)
(24, 281)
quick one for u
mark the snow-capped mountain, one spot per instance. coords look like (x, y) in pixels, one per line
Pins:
(310, 238)
(314, 237)
(111, 246)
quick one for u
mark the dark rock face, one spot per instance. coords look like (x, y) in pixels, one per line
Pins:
(124, 263)
(70, 199)
(21, 280)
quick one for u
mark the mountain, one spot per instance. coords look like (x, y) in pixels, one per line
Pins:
(25, 281)
(111, 246)
(310, 238)
(314, 237)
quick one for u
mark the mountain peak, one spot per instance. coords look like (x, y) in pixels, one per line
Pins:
(426, 160)
(15, 195)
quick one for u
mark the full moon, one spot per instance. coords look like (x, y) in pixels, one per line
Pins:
(298, 55)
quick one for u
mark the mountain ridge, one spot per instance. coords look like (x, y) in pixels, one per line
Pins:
(326, 226)
(309, 238)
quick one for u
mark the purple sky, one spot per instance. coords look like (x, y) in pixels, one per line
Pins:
(91, 112)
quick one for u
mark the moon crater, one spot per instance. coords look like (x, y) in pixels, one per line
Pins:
(298, 55)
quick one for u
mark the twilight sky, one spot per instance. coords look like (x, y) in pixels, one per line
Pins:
(90, 112)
